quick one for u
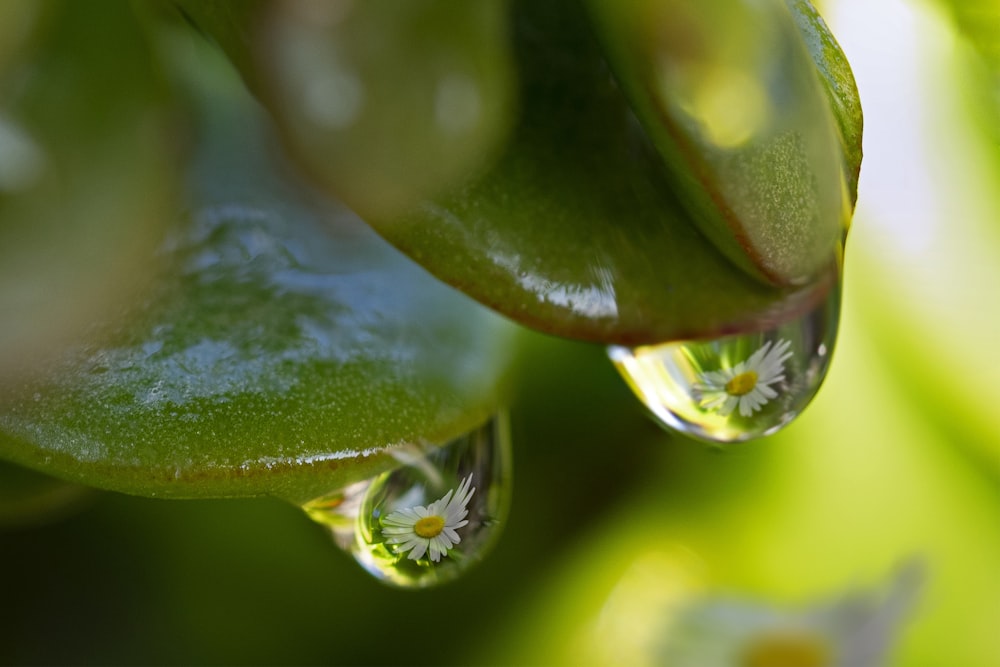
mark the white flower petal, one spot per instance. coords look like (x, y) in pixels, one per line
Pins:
(403, 516)
(442, 543)
(716, 379)
(754, 361)
(714, 400)
(774, 380)
(419, 549)
(728, 406)
(406, 543)
(443, 502)
(396, 527)
(397, 531)
(776, 358)
(438, 549)
(767, 392)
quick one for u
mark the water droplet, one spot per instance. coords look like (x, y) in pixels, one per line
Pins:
(734, 388)
(430, 519)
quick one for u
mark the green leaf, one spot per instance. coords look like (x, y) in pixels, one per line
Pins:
(382, 102)
(979, 21)
(284, 350)
(729, 95)
(576, 229)
(838, 83)
(88, 172)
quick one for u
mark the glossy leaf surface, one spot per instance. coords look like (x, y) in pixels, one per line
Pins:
(589, 225)
(729, 95)
(282, 351)
(577, 229)
(838, 82)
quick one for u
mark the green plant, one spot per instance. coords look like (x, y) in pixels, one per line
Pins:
(215, 323)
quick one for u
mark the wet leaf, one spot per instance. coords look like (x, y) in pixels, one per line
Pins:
(284, 349)
(979, 20)
(838, 82)
(729, 95)
(577, 228)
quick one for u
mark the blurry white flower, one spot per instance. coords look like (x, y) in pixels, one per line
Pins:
(856, 631)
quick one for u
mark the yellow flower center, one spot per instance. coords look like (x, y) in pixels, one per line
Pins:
(429, 526)
(742, 384)
(787, 650)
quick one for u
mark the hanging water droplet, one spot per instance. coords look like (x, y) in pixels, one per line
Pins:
(734, 388)
(428, 520)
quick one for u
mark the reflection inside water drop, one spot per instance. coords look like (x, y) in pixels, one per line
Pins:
(734, 388)
(426, 521)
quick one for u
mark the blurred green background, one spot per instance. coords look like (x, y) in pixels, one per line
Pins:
(614, 524)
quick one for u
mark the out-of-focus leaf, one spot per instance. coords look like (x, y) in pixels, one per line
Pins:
(979, 20)
(383, 102)
(928, 242)
(576, 230)
(286, 348)
(87, 173)
(18, 19)
(729, 95)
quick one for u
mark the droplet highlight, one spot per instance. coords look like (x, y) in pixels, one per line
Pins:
(433, 517)
(734, 388)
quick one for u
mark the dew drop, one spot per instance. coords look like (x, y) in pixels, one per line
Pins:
(427, 521)
(734, 388)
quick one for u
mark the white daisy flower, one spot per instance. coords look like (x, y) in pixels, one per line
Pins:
(432, 529)
(747, 384)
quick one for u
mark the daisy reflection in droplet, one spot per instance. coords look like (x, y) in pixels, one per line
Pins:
(430, 530)
(747, 384)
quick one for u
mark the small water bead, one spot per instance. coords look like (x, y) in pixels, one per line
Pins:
(734, 388)
(430, 519)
